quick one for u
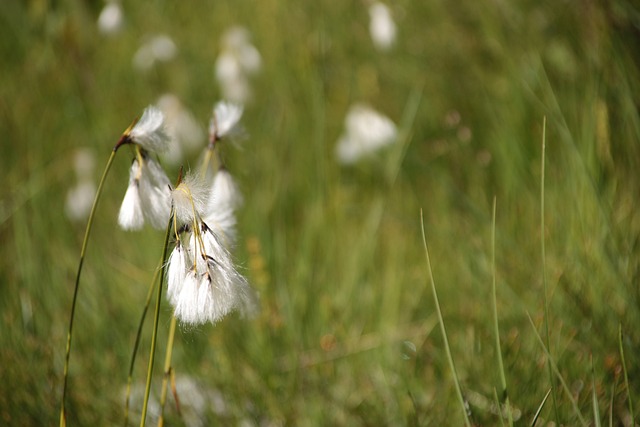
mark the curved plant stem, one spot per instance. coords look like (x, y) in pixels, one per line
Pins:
(63, 413)
(155, 323)
(167, 369)
(137, 344)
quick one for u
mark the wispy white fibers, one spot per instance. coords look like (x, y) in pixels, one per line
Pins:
(149, 132)
(366, 131)
(147, 197)
(130, 216)
(203, 282)
(225, 120)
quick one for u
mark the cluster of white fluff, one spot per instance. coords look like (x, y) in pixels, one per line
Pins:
(203, 282)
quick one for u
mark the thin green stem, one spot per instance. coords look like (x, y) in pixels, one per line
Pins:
(167, 369)
(136, 345)
(63, 413)
(504, 397)
(156, 320)
(544, 270)
(626, 376)
(442, 328)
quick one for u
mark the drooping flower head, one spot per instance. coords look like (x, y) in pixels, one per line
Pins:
(203, 284)
(237, 62)
(147, 196)
(224, 121)
(149, 132)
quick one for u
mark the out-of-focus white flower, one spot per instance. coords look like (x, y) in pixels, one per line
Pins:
(237, 61)
(111, 18)
(181, 126)
(147, 197)
(79, 200)
(224, 120)
(159, 48)
(203, 284)
(381, 26)
(80, 196)
(366, 131)
(149, 132)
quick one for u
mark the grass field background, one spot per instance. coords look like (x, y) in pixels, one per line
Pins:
(347, 333)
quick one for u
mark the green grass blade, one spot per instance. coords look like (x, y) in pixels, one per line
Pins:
(504, 397)
(442, 327)
(544, 269)
(626, 376)
(594, 397)
(156, 320)
(537, 414)
(555, 369)
(136, 344)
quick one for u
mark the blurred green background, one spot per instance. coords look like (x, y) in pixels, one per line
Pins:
(347, 333)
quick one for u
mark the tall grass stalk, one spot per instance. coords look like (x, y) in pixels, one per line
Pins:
(544, 268)
(136, 344)
(594, 397)
(537, 414)
(555, 370)
(156, 319)
(83, 251)
(626, 376)
(504, 397)
(442, 327)
(167, 369)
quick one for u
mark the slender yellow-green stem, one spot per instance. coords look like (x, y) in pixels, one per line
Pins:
(594, 397)
(85, 241)
(156, 320)
(136, 345)
(442, 328)
(544, 271)
(167, 369)
(504, 396)
(537, 414)
(626, 377)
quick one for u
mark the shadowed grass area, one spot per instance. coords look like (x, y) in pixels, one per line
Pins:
(347, 333)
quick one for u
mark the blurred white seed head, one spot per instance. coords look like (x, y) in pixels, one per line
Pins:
(111, 18)
(366, 131)
(224, 198)
(225, 120)
(381, 26)
(79, 200)
(149, 132)
(182, 127)
(158, 48)
(237, 61)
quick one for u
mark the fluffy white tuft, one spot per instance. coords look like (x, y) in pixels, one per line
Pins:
(149, 132)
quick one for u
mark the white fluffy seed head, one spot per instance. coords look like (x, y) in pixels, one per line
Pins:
(149, 132)
(155, 193)
(366, 131)
(190, 199)
(225, 119)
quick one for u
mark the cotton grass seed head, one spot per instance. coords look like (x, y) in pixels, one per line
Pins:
(225, 120)
(149, 132)
(190, 199)
(366, 131)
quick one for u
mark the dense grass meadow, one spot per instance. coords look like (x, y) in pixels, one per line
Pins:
(348, 331)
